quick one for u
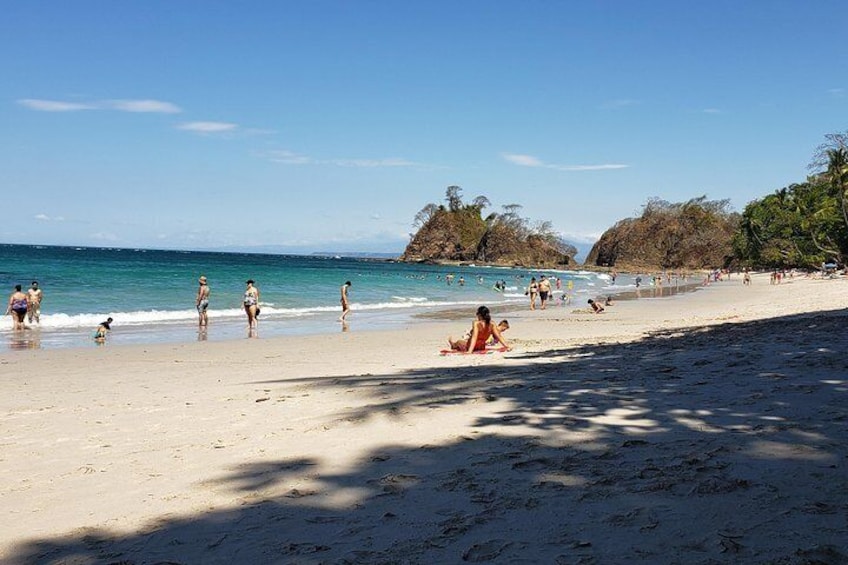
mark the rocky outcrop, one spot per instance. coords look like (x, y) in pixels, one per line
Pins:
(459, 233)
(692, 235)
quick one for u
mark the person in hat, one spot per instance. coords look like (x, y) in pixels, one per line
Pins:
(202, 301)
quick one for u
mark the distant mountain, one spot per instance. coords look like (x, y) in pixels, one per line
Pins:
(583, 249)
(303, 250)
(356, 254)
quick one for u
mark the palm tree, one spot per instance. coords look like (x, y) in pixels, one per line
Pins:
(837, 174)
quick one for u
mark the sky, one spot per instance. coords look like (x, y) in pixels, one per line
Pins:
(327, 125)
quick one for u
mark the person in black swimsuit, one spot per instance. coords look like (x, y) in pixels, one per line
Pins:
(18, 304)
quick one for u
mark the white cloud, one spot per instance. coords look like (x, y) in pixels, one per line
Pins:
(587, 238)
(291, 158)
(46, 218)
(619, 103)
(207, 127)
(531, 161)
(143, 106)
(54, 105)
(138, 106)
(523, 160)
(375, 217)
(104, 236)
(604, 167)
(372, 163)
(288, 157)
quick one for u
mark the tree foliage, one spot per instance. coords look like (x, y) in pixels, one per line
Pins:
(803, 224)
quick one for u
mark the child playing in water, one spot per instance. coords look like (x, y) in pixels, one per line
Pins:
(596, 308)
(102, 330)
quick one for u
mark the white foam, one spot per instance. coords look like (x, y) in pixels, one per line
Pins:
(147, 317)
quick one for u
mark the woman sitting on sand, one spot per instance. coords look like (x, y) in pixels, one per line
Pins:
(481, 330)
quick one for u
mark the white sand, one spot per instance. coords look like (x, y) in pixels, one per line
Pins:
(705, 428)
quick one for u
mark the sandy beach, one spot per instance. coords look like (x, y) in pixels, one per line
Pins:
(709, 427)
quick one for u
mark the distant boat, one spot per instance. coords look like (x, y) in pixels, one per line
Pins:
(337, 257)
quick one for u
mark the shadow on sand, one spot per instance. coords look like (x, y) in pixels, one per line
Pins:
(721, 444)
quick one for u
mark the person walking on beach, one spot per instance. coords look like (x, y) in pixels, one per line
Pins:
(17, 307)
(202, 301)
(251, 304)
(544, 291)
(34, 296)
(345, 301)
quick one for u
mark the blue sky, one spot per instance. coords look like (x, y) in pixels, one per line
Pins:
(326, 125)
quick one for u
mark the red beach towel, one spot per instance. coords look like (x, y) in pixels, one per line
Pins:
(486, 351)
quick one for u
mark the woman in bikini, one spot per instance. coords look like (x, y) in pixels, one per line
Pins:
(532, 291)
(17, 307)
(251, 304)
(481, 330)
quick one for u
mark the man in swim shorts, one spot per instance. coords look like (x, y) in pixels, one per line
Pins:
(34, 297)
(202, 301)
(544, 291)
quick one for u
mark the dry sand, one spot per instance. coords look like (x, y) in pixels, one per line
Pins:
(704, 428)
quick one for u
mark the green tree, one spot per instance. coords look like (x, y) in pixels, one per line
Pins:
(453, 196)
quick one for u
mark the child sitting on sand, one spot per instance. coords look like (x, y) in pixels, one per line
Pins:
(503, 325)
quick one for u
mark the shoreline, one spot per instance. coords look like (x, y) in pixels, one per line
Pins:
(229, 330)
(696, 428)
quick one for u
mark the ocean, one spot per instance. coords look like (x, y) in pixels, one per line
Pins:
(150, 294)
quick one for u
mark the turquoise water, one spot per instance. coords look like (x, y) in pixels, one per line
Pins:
(151, 294)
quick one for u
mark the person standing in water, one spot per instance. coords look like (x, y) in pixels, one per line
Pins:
(532, 291)
(202, 301)
(251, 303)
(18, 305)
(102, 329)
(34, 296)
(544, 291)
(345, 301)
